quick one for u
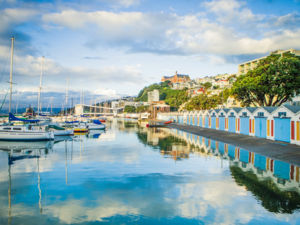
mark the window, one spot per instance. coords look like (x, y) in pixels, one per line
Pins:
(17, 128)
(6, 128)
(231, 114)
(282, 114)
(244, 113)
(260, 114)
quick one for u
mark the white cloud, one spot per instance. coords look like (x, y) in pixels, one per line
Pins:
(75, 211)
(231, 11)
(174, 34)
(11, 16)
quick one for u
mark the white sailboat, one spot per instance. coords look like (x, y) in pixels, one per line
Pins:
(27, 132)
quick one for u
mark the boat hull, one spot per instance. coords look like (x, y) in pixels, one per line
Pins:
(96, 127)
(63, 132)
(80, 130)
(25, 136)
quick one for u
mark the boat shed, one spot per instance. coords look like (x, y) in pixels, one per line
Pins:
(295, 124)
(262, 117)
(246, 120)
(233, 120)
(282, 123)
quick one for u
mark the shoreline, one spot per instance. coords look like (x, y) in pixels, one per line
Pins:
(282, 151)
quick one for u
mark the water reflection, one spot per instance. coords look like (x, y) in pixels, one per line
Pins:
(135, 175)
(275, 183)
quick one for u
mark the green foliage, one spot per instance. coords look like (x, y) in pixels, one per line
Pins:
(216, 87)
(143, 94)
(275, 80)
(271, 197)
(174, 98)
(207, 85)
(129, 109)
(224, 95)
(203, 102)
(141, 109)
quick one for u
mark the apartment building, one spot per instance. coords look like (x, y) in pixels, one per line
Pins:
(243, 68)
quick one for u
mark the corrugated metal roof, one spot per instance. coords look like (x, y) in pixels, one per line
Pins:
(293, 108)
(251, 109)
(269, 109)
(236, 109)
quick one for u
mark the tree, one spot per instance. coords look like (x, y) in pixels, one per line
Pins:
(207, 85)
(142, 108)
(203, 102)
(275, 80)
(129, 109)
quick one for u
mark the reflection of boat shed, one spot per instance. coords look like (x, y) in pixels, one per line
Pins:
(275, 123)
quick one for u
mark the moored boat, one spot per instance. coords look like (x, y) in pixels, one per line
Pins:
(95, 125)
(25, 133)
(60, 131)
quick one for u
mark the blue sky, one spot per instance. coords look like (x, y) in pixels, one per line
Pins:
(116, 47)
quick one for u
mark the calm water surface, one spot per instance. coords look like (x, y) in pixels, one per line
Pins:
(134, 175)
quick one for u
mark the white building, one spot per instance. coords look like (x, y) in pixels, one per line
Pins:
(153, 96)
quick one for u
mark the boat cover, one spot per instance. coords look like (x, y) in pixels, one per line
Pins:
(76, 121)
(11, 117)
(97, 122)
(56, 127)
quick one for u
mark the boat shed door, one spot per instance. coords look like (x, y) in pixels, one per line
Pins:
(207, 121)
(261, 127)
(245, 125)
(196, 120)
(221, 123)
(231, 124)
(213, 122)
(282, 129)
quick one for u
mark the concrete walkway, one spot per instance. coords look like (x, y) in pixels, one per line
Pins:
(283, 151)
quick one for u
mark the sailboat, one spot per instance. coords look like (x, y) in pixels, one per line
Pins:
(27, 132)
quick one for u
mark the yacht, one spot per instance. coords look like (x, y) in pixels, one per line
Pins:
(25, 133)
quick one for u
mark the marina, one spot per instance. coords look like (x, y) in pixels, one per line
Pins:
(132, 174)
(146, 112)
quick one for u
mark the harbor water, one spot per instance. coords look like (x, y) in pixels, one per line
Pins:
(130, 174)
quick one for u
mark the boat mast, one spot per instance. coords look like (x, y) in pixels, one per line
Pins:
(67, 96)
(40, 88)
(10, 74)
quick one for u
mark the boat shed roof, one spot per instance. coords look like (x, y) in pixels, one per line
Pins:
(293, 108)
(226, 110)
(251, 109)
(269, 109)
(236, 109)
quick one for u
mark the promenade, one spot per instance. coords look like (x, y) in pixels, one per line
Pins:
(286, 152)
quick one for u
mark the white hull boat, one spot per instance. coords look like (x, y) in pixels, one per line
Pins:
(92, 126)
(63, 132)
(60, 131)
(24, 133)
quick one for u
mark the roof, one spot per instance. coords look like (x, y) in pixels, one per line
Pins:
(226, 110)
(178, 75)
(269, 109)
(237, 109)
(293, 108)
(182, 75)
(251, 109)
